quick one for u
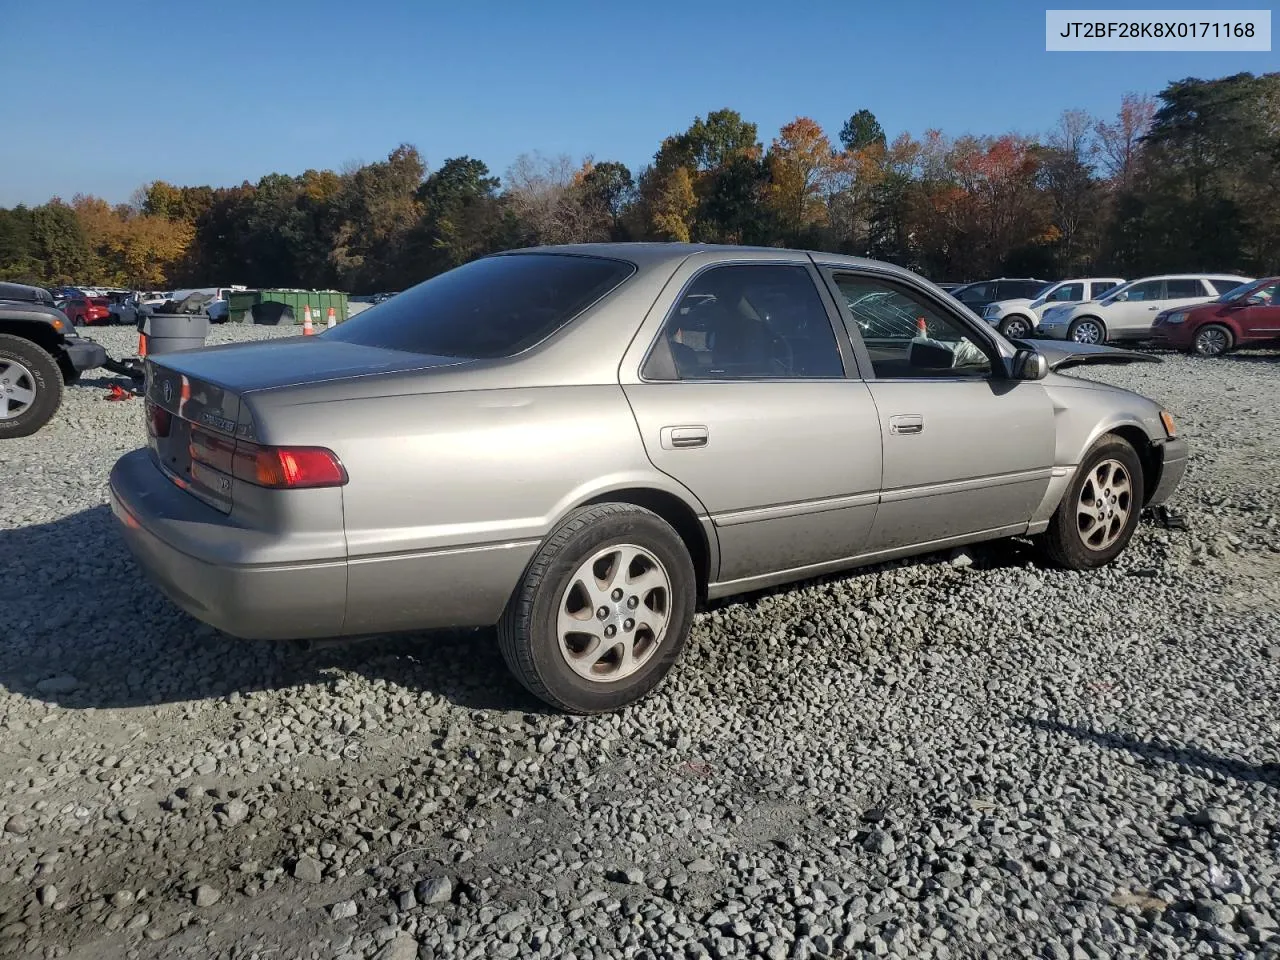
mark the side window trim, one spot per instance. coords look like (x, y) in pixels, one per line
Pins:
(843, 347)
(977, 331)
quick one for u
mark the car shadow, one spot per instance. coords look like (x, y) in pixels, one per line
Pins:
(86, 629)
(1155, 753)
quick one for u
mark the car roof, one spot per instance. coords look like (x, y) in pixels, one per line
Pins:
(651, 254)
(1190, 276)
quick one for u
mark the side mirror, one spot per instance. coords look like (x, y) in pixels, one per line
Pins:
(1120, 297)
(1255, 301)
(1029, 365)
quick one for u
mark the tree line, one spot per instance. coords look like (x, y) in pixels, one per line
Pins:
(1187, 180)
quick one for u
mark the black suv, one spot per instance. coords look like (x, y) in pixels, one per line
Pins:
(977, 295)
(39, 355)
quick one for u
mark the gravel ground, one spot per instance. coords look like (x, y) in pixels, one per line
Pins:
(953, 757)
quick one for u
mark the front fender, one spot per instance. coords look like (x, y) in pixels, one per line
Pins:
(1083, 413)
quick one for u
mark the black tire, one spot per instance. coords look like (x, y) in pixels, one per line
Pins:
(40, 374)
(1008, 323)
(527, 633)
(1213, 340)
(1063, 544)
(1080, 321)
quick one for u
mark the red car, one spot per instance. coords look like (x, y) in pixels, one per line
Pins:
(83, 311)
(1248, 316)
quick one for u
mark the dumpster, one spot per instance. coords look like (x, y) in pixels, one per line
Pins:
(282, 306)
(172, 332)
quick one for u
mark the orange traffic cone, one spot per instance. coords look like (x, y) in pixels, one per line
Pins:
(332, 321)
(142, 344)
(307, 329)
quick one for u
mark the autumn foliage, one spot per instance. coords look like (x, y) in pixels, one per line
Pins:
(1183, 181)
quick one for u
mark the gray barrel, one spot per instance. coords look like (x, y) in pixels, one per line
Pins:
(171, 332)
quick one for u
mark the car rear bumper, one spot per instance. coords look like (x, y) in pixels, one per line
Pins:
(255, 601)
(84, 354)
(183, 545)
(1174, 467)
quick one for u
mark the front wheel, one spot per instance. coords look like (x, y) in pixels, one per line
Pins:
(1213, 340)
(1087, 330)
(30, 387)
(1015, 328)
(603, 611)
(1097, 518)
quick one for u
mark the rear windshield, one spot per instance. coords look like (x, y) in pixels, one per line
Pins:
(495, 307)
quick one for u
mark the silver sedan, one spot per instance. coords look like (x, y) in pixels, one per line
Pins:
(584, 444)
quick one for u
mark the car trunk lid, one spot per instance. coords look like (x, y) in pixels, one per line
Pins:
(197, 398)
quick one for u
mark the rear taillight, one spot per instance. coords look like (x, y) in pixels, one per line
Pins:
(159, 420)
(278, 468)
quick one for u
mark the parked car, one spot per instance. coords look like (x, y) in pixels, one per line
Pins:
(1019, 317)
(979, 294)
(86, 311)
(26, 293)
(1128, 311)
(548, 440)
(39, 354)
(1246, 316)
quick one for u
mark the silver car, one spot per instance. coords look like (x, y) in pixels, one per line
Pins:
(583, 444)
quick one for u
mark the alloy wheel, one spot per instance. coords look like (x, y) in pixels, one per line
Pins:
(1103, 508)
(1087, 331)
(613, 614)
(1211, 342)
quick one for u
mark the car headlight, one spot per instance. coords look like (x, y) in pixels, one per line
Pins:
(1175, 318)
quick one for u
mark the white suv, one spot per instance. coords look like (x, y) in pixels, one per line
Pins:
(1019, 318)
(1127, 312)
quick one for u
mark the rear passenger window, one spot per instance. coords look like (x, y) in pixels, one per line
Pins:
(1222, 286)
(1016, 289)
(1178, 289)
(750, 321)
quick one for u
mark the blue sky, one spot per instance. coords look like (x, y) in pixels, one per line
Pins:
(92, 90)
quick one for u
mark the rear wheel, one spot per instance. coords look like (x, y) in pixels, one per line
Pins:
(1015, 327)
(30, 387)
(1087, 330)
(603, 611)
(1096, 519)
(1213, 340)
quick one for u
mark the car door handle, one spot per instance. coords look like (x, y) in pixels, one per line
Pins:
(907, 423)
(1153, 308)
(680, 438)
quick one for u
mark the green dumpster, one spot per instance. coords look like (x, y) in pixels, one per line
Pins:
(285, 306)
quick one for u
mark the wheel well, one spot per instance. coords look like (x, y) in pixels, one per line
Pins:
(41, 334)
(1089, 316)
(1148, 455)
(1231, 331)
(683, 520)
